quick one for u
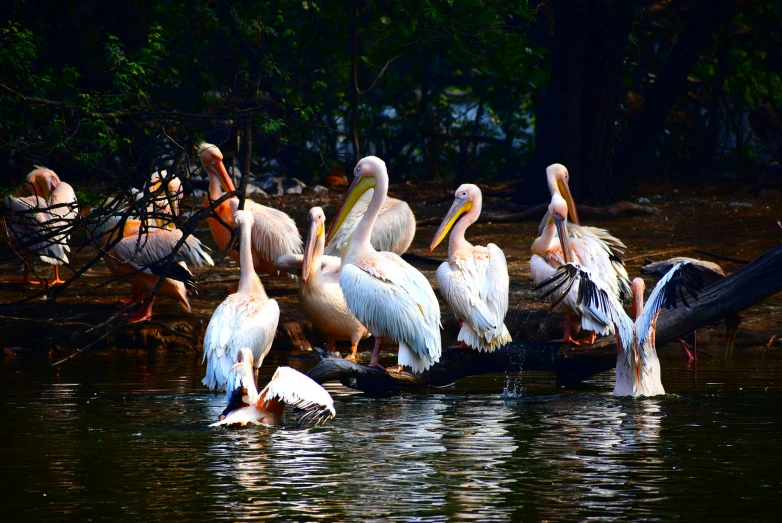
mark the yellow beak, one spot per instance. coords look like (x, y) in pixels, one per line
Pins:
(315, 234)
(360, 185)
(564, 190)
(459, 207)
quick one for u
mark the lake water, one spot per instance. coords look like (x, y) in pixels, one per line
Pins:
(125, 437)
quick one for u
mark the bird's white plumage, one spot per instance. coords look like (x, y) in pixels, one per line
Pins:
(292, 263)
(394, 229)
(402, 307)
(274, 232)
(297, 390)
(146, 249)
(29, 228)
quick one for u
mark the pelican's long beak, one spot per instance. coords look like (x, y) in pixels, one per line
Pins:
(459, 207)
(564, 241)
(316, 232)
(360, 185)
(564, 190)
(225, 181)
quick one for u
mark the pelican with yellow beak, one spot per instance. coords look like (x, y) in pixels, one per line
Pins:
(474, 281)
(320, 296)
(387, 295)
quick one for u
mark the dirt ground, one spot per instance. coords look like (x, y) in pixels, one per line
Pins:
(719, 224)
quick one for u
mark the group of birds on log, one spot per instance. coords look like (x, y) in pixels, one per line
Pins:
(353, 282)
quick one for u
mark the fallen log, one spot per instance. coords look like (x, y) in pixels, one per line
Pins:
(752, 284)
(615, 210)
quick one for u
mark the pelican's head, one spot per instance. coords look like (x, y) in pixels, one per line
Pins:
(559, 183)
(212, 160)
(43, 181)
(466, 197)
(558, 211)
(317, 221)
(638, 287)
(243, 219)
(365, 176)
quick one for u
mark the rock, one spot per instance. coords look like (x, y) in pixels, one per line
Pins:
(297, 187)
(199, 194)
(255, 191)
(273, 185)
(319, 190)
(643, 200)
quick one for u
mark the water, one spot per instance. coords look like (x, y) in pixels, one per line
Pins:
(125, 437)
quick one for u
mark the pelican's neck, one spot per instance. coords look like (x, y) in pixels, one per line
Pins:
(553, 189)
(542, 245)
(638, 304)
(363, 231)
(215, 191)
(457, 241)
(249, 281)
(317, 260)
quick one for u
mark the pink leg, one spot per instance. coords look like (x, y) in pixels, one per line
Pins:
(686, 349)
(374, 362)
(566, 338)
(145, 313)
(27, 279)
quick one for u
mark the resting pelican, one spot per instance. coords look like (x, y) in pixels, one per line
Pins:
(387, 295)
(393, 232)
(597, 249)
(474, 281)
(287, 386)
(320, 296)
(637, 365)
(45, 221)
(166, 199)
(549, 251)
(142, 254)
(274, 232)
(247, 318)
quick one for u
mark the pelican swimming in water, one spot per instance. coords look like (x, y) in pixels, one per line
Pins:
(41, 223)
(549, 251)
(287, 387)
(597, 249)
(385, 293)
(274, 232)
(474, 281)
(637, 365)
(320, 296)
(247, 318)
(393, 232)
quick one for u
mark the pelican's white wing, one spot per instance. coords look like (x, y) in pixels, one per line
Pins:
(274, 232)
(393, 300)
(240, 321)
(29, 227)
(291, 263)
(293, 388)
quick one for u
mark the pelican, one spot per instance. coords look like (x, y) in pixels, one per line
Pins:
(597, 249)
(287, 386)
(166, 198)
(44, 221)
(274, 232)
(637, 365)
(387, 295)
(320, 295)
(474, 280)
(550, 250)
(247, 318)
(142, 254)
(393, 232)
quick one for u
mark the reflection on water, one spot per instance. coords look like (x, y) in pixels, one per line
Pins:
(124, 437)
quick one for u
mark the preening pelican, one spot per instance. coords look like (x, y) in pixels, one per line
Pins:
(247, 318)
(549, 251)
(393, 232)
(596, 248)
(637, 365)
(274, 232)
(320, 296)
(287, 386)
(474, 281)
(142, 254)
(167, 194)
(41, 223)
(387, 295)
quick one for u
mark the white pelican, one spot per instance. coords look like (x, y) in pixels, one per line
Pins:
(597, 249)
(274, 232)
(394, 229)
(142, 254)
(474, 281)
(320, 296)
(387, 295)
(247, 318)
(637, 365)
(287, 386)
(550, 250)
(45, 220)
(166, 199)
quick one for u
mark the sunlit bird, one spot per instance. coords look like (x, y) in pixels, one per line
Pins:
(320, 296)
(166, 194)
(474, 281)
(387, 295)
(274, 232)
(247, 318)
(287, 387)
(394, 229)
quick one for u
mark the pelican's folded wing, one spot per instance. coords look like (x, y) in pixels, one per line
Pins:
(293, 388)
